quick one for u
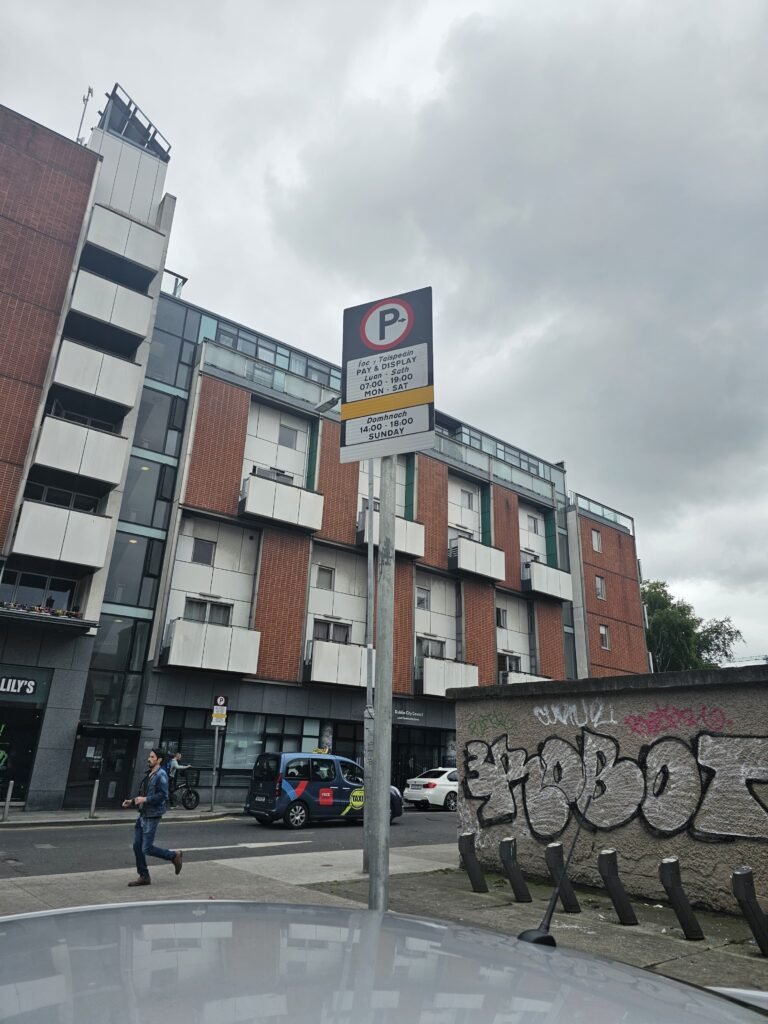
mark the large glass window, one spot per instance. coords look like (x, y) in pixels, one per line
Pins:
(170, 316)
(120, 644)
(152, 421)
(163, 357)
(33, 590)
(133, 570)
(148, 493)
(244, 741)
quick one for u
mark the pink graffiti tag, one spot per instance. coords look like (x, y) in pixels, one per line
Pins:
(667, 718)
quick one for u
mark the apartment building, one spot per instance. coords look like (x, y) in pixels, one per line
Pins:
(83, 239)
(178, 525)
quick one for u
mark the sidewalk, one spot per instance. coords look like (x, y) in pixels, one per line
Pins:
(19, 818)
(424, 881)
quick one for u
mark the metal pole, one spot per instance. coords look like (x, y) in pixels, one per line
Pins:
(215, 764)
(368, 713)
(378, 879)
(92, 812)
(8, 794)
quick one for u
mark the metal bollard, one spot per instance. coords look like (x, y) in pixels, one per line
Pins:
(8, 795)
(556, 866)
(471, 863)
(608, 866)
(92, 813)
(669, 874)
(508, 856)
(743, 888)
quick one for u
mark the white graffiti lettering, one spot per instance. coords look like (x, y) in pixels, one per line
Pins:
(594, 713)
(664, 785)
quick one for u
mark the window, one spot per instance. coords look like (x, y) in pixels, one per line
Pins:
(219, 614)
(600, 587)
(148, 493)
(427, 648)
(533, 524)
(508, 663)
(423, 598)
(501, 618)
(376, 505)
(288, 437)
(334, 632)
(467, 499)
(322, 770)
(352, 773)
(297, 769)
(203, 551)
(597, 540)
(325, 577)
(214, 612)
(134, 570)
(605, 638)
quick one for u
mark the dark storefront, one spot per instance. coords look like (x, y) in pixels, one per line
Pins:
(23, 693)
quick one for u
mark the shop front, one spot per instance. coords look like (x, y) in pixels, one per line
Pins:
(23, 693)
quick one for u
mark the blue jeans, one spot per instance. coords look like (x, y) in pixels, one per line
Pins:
(144, 844)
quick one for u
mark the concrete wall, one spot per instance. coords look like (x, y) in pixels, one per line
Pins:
(678, 763)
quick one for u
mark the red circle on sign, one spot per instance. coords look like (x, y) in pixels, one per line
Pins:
(383, 348)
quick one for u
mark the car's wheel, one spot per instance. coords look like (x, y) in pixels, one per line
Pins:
(450, 802)
(296, 815)
(190, 799)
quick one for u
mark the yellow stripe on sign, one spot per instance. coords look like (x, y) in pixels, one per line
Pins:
(388, 403)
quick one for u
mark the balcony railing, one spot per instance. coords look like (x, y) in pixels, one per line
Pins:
(270, 499)
(465, 555)
(109, 303)
(193, 644)
(510, 678)
(85, 451)
(127, 238)
(98, 373)
(439, 675)
(409, 535)
(539, 578)
(62, 534)
(342, 664)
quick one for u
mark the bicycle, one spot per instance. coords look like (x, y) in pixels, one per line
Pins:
(184, 789)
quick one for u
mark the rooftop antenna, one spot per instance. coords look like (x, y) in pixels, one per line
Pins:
(542, 936)
(86, 98)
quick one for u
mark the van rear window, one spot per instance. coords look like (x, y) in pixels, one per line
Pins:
(266, 767)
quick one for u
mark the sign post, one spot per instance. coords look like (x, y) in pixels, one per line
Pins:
(387, 408)
(218, 721)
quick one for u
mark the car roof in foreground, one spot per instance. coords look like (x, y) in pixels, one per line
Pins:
(199, 961)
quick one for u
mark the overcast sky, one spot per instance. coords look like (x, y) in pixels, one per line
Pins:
(582, 185)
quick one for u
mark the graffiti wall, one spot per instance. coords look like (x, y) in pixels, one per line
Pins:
(653, 766)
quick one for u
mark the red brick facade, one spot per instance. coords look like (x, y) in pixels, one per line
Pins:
(432, 509)
(621, 611)
(45, 185)
(281, 603)
(216, 462)
(549, 629)
(506, 532)
(479, 604)
(402, 670)
(338, 483)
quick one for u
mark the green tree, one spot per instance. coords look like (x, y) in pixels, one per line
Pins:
(678, 639)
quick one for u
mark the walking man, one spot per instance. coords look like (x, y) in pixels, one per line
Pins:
(152, 802)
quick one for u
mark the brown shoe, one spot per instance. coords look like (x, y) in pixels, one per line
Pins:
(177, 865)
(141, 880)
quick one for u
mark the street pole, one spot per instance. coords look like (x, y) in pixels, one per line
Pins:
(378, 878)
(215, 764)
(368, 713)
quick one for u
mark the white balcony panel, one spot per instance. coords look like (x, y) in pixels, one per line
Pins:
(75, 448)
(62, 534)
(544, 579)
(111, 303)
(409, 536)
(510, 678)
(217, 648)
(97, 373)
(112, 231)
(284, 503)
(441, 675)
(41, 530)
(479, 559)
(345, 664)
(244, 651)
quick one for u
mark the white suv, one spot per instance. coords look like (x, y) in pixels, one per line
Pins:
(438, 787)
